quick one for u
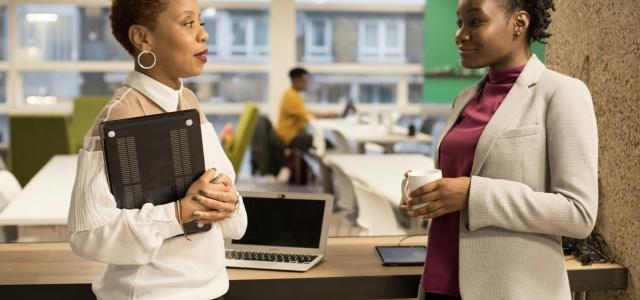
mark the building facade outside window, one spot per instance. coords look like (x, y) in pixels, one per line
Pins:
(381, 40)
(318, 40)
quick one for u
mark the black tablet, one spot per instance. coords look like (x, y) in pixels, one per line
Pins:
(402, 255)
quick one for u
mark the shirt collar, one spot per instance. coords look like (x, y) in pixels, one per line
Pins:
(164, 96)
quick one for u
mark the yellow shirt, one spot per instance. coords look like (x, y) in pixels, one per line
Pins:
(292, 117)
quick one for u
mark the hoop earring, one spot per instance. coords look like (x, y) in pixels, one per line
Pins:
(140, 63)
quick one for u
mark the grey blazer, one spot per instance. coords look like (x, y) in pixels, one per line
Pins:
(534, 179)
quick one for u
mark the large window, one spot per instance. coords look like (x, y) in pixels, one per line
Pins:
(48, 88)
(334, 89)
(3, 88)
(318, 39)
(381, 40)
(65, 50)
(249, 37)
(65, 32)
(359, 37)
(237, 35)
(3, 32)
(231, 88)
(371, 56)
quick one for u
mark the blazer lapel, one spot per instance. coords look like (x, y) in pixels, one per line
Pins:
(517, 96)
(459, 104)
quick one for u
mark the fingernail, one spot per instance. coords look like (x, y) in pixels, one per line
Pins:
(196, 198)
(202, 192)
(197, 214)
(215, 179)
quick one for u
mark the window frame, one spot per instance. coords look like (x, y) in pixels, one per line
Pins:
(310, 50)
(381, 52)
(250, 48)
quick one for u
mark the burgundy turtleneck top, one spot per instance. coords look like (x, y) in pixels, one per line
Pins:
(456, 159)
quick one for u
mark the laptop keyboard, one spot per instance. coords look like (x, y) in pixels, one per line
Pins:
(270, 257)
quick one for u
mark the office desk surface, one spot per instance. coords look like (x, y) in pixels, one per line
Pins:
(45, 199)
(370, 133)
(351, 270)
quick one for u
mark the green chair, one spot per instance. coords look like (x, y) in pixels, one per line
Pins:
(242, 135)
(34, 139)
(85, 111)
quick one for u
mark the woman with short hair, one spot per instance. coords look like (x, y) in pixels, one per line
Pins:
(148, 256)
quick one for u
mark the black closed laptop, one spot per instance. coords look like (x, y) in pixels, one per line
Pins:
(153, 159)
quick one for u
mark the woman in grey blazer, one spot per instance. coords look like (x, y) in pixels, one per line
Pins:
(519, 155)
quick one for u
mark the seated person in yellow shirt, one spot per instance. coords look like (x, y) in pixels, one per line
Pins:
(293, 116)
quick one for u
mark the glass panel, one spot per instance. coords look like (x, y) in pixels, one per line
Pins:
(318, 28)
(392, 35)
(415, 90)
(3, 32)
(218, 88)
(330, 89)
(4, 143)
(3, 88)
(260, 35)
(237, 35)
(212, 29)
(357, 36)
(377, 93)
(44, 88)
(329, 93)
(371, 34)
(4, 134)
(56, 32)
(239, 32)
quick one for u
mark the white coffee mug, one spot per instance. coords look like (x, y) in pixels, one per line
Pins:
(418, 178)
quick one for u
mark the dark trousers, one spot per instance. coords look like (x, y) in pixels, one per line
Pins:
(303, 141)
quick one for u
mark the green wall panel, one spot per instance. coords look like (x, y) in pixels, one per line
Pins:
(443, 90)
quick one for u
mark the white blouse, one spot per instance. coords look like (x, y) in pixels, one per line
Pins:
(145, 259)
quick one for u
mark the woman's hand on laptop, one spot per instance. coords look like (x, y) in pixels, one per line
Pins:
(210, 183)
(220, 199)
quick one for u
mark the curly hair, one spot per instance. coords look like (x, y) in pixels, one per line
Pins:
(539, 10)
(126, 13)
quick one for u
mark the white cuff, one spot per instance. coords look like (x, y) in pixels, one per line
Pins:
(164, 216)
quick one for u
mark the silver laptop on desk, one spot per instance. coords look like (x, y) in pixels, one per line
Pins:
(286, 231)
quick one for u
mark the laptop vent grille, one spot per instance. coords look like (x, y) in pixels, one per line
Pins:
(181, 154)
(130, 171)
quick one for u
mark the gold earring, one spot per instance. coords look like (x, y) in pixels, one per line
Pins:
(517, 33)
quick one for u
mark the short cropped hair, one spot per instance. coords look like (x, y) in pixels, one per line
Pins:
(539, 10)
(126, 13)
(297, 73)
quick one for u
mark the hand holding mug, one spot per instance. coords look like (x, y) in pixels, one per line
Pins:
(440, 197)
(412, 181)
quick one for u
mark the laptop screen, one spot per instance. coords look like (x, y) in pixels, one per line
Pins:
(283, 222)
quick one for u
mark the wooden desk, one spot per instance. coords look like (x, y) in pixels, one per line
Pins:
(351, 270)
